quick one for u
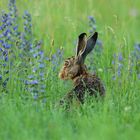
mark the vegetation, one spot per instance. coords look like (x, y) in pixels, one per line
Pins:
(36, 37)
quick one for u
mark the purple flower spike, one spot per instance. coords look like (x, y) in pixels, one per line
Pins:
(41, 66)
(0, 77)
(41, 53)
(41, 74)
(1, 41)
(35, 55)
(91, 18)
(137, 47)
(15, 28)
(31, 76)
(6, 58)
(7, 46)
(120, 57)
(139, 76)
(34, 82)
(35, 97)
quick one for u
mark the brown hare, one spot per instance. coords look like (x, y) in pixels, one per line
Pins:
(75, 69)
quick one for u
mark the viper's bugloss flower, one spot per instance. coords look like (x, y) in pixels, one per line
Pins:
(120, 57)
(92, 19)
(97, 50)
(0, 77)
(8, 37)
(139, 76)
(135, 60)
(22, 53)
(118, 64)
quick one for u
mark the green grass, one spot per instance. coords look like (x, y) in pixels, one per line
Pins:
(118, 116)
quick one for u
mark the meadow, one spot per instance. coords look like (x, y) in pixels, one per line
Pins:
(35, 38)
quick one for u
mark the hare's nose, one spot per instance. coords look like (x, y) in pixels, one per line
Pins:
(62, 75)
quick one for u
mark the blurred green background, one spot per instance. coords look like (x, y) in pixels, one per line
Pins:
(64, 20)
(118, 117)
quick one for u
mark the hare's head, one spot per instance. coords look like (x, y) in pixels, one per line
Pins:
(75, 66)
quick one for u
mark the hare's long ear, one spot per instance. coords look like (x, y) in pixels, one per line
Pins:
(89, 46)
(81, 44)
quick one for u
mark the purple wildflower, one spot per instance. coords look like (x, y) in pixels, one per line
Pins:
(139, 76)
(120, 57)
(35, 96)
(41, 66)
(34, 82)
(91, 18)
(35, 55)
(41, 74)
(0, 77)
(7, 40)
(31, 76)
(137, 47)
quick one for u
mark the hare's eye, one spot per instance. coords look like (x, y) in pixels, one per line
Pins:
(67, 63)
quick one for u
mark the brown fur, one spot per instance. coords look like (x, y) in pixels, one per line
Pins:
(75, 69)
(83, 82)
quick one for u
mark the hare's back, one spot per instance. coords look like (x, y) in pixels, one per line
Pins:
(91, 85)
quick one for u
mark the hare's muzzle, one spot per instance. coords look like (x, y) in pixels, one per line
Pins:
(61, 75)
